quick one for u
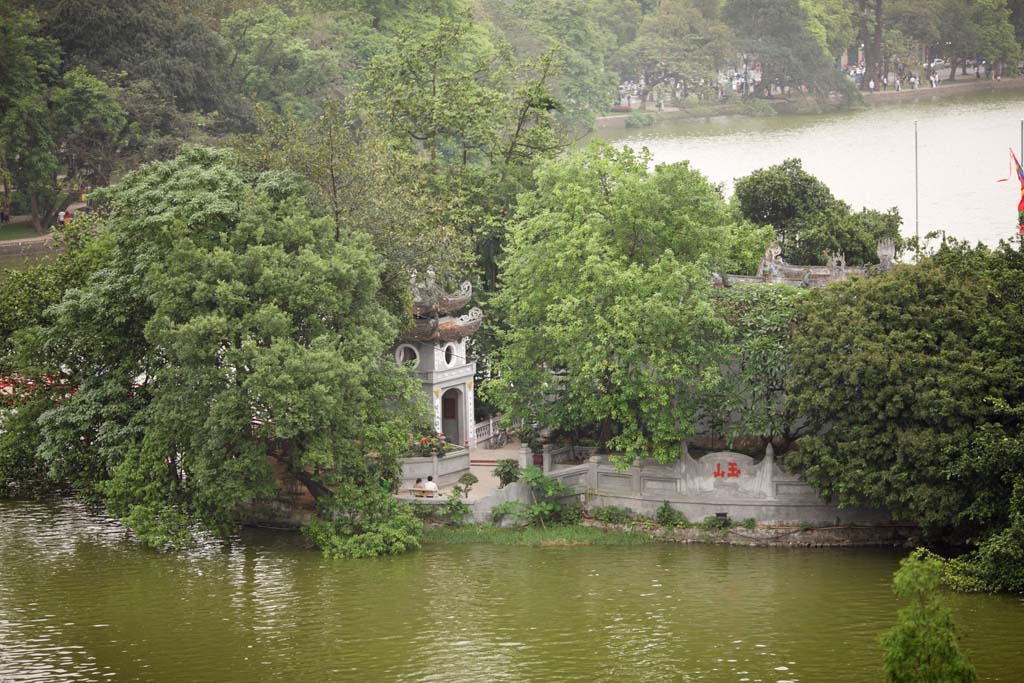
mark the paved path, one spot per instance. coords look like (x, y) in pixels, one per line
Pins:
(489, 456)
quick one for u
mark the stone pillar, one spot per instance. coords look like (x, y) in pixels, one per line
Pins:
(546, 454)
(592, 464)
(525, 455)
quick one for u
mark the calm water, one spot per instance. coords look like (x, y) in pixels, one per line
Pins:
(867, 157)
(81, 602)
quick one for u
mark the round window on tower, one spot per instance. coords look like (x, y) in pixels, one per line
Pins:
(406, 355)
(449, 354)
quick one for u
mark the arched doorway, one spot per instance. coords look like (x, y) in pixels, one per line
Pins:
(451, 416)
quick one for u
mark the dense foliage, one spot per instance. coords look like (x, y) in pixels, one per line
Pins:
(229, 330)
(607, 297)
(749, 399)
(91, 88)
(911, 384)
(810, 223)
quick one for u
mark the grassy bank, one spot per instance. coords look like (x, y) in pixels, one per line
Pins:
(17, 231)
(554, 535)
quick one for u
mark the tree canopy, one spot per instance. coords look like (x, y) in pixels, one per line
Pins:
(230, 330)
(911, 383)
(809, 221)
(607, 299)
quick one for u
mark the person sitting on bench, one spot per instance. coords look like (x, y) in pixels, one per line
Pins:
(430, 485)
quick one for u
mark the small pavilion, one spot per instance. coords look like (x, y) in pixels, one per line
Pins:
(434, 348)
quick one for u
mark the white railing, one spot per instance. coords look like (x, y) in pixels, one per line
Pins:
(486, 430)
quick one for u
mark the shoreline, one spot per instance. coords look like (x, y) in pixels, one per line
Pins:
(593, 532)
(808, 105)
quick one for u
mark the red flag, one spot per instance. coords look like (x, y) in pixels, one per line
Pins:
(1020, 204)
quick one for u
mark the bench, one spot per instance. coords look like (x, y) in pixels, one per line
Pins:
(423, 493)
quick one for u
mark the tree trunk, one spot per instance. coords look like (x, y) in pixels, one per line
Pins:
(952, 68)
(37, 223)
(876, 45)
(606, 432)
(862, 35)
(312, 484)
(285, 456)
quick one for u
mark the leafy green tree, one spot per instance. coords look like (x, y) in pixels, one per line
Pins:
(365, 188)
(790, 39)
(681, 41)
(922, 646)
(470, 122)
(607, 297)
(25, 301)
(996, 40)
(997, 564)
(230, 330)
(272, 59)
(910, 384)
(166, 43)
(808, 220)
(581, 34)
(750, 398)
(49, 121)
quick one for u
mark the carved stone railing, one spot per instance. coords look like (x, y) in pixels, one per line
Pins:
(445, 469)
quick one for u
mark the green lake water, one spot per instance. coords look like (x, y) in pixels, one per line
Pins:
(79, 601)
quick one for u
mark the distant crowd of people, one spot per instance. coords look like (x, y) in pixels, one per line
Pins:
(749, 79)
(902, 76)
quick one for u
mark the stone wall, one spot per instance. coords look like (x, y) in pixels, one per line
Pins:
(445, 469)
(718, 483)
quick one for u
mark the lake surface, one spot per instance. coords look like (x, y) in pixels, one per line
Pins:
(79, 601)
(867, 157)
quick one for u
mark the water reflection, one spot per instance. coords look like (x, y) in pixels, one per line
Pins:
(80, 602)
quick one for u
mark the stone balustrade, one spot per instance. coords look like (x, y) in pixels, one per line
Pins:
(722, 482)
(445, 469)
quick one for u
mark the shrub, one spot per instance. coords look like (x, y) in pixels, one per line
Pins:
(922, 646)
(639, 119)
(669, 517)
(610, 514)
(571, 513)
(466, 482)
(422, 510)
(358, 523)
(715, 523)
(544, 491)
(454, 508)
(749, 523)
(998, 562)
(429, 446)
(753, 106)
(511, 508)
(507, 472)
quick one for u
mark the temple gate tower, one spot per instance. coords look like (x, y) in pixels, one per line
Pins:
(435, 349)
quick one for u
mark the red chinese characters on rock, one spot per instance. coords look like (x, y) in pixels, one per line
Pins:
(732, 471)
